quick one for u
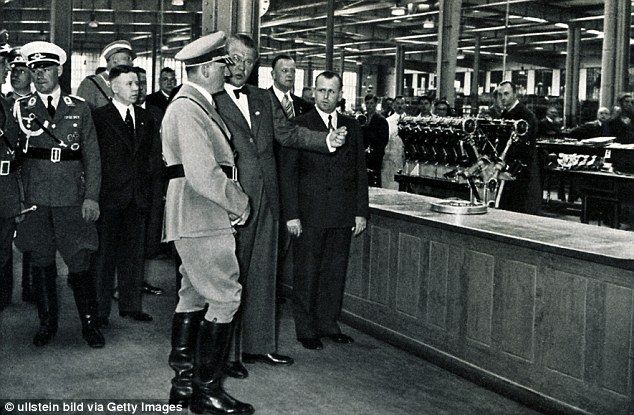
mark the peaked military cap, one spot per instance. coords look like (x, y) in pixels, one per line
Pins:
(209, 48)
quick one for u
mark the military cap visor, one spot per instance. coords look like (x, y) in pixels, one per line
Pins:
(209, 48)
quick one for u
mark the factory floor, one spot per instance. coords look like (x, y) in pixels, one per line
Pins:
(366, 377)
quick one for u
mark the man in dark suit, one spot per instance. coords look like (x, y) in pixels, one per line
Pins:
(128, 151)
(376, 134)
(256, 120)
(550, 125)
(324, 202)
(283, 74)
(167, 82)
(523, 194)
(601, 127)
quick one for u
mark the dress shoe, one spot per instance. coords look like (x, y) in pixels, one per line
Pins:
(150, 289)
(236, 370)
(269, 358)
(339, 338)
(44, 335)
(311, 343)
(136, 315)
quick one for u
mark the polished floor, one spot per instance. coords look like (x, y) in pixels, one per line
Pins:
(367, 377)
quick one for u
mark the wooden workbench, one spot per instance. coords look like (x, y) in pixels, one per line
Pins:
(538, 309)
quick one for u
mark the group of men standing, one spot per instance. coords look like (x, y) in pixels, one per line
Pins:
(88, 176)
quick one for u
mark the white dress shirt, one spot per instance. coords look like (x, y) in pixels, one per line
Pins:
(242, 102)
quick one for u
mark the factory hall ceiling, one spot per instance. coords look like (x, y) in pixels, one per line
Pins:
(532, 32)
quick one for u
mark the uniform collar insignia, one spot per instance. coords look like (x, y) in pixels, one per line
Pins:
(32, 102)
(68, 101)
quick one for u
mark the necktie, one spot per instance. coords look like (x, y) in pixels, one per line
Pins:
(239, 91)
(50, 108)
(129, 123)
(330, 127)
(288, 107)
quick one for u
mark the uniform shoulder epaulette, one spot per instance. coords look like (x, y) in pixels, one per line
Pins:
(77, 97)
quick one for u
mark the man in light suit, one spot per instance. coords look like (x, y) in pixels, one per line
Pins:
(128, 153)
(324, 202)
(203, 203)
(256, 120)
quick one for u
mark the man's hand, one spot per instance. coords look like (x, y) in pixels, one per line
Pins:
(359, 225)
(336, 138)
(294, 227)
(90, 210)
(242, 219)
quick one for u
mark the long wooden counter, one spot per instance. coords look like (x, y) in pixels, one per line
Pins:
(538, 309)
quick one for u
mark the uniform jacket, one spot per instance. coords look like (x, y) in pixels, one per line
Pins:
(256, 159)
(325, 190)
(9, 190)
(194, 135)
(158, 99)
(65, 183)
(125, 164)
(94, 93)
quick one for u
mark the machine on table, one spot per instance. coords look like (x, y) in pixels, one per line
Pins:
(460, 153)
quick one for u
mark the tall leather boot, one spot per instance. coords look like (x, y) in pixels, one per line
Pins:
(208, 396)
(184, 334)
(6, 281)
(235, 368)
(27, 284)
(85, 293)
(45, 292)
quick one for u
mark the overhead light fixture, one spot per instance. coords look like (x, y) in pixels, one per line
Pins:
(460, 55)
(93, 23)
(398, 10)
(428, 24)
(178, 2)
(7, 1)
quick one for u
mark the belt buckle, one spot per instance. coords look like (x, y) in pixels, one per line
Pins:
(56, 154)
(234, 173)
(5, 167)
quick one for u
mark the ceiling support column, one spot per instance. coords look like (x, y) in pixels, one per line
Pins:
(330, 35)
(615, 54)
(448, 36)
(62, 36)
(399, 70)
(475, 79)
(573, 65)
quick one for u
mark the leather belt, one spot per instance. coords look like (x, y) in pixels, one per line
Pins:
(8, 166)
(176, 170)
(55, 154)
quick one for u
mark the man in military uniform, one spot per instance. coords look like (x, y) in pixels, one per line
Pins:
(9, 190)
(21, 83)
(204, 201)
(62, 176)
(95, 89)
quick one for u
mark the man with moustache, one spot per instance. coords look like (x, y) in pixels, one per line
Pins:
(256, 121)
(126, 136)
(62, 167)
(203, 204)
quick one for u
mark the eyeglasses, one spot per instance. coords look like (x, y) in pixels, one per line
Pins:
(239, 59)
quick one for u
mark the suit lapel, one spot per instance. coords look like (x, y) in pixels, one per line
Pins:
(119, 126)
(231, 110)
(255, 111)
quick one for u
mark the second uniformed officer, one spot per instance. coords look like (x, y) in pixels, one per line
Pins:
(62, 177)
(9, 196)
